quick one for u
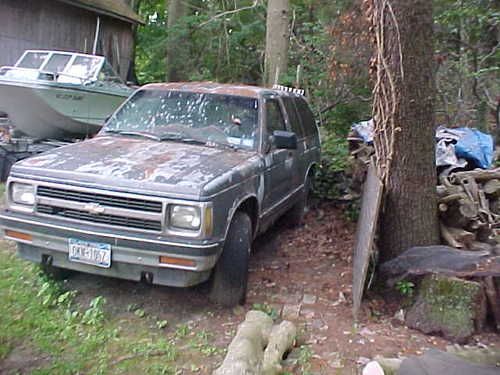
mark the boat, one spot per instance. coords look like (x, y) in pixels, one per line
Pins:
(60, 95)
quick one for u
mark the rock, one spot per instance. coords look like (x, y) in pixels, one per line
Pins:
(373, 368)
(309, 299)
(450, 306)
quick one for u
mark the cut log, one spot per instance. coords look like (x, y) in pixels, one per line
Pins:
(281, 340)
(443, 207)
(448, 237)
(462, 236)
(459, 212)
(445, 260)
(443, 190)
(246, 351)
(477, 174)
(493, 299)
(492, 187)
(453, 197)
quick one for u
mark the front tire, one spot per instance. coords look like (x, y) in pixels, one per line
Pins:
(230, 276)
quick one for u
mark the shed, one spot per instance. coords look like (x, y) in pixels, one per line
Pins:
(69, 25)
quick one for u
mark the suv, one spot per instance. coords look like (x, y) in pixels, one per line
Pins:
(172, 191)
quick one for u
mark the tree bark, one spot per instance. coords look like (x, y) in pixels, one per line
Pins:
(404, 123)
(176, 9)
(277, 40)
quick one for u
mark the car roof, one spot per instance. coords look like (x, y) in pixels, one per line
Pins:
(218, 88)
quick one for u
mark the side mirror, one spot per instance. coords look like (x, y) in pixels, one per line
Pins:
(284, 139)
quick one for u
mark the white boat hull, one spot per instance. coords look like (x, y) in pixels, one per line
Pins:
(49, 111)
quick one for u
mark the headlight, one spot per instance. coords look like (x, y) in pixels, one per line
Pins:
(185, 217)
(22, 194)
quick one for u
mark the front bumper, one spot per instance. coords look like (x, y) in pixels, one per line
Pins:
(134, 256)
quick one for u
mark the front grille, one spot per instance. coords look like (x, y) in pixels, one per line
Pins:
(102, 199)
(101, 218)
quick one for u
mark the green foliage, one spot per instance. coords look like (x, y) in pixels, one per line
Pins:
(223, 49)
(305, 356)
(405, 287)
(329, 176)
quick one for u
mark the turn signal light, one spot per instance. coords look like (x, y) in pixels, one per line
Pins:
(177, 261)
(12, 234)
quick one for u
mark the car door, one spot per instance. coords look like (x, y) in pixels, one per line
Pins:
(279, 173)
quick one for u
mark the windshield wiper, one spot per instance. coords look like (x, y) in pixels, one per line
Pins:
(133, 133)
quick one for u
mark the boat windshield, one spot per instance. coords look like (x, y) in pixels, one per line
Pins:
(33, 60)
(189, 116)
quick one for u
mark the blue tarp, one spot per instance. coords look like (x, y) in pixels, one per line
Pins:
(453, 145)
(475, 146)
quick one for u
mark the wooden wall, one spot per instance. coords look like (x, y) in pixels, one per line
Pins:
(47, 24)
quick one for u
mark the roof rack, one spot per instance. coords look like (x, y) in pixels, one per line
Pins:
(289, 89)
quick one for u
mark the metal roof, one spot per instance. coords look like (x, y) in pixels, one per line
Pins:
(112, 8)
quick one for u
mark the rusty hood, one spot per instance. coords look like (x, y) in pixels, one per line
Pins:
(134, 164)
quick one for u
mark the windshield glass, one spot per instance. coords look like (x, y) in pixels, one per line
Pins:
(33, 60)
(207, 118)
(84, 67)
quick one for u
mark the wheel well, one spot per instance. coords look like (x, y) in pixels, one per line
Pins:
(312, 170)
(251, 207)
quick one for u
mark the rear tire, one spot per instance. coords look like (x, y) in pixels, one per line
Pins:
(230, 276)
(295, 216)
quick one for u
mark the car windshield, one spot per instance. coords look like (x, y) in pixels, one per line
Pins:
(187, 116)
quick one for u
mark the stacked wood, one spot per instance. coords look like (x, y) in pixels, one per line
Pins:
(469, 209)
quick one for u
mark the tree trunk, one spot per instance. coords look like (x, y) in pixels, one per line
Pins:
(176, 9)
(277, 38)
(404, 123)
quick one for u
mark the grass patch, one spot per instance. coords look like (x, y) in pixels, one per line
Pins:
(37, 312)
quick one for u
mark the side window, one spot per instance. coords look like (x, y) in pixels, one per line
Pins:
(274, 117)
(295, 122)
(306, 116)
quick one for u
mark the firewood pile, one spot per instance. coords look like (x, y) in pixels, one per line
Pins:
(469, 208)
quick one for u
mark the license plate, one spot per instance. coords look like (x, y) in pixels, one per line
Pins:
(94, 253)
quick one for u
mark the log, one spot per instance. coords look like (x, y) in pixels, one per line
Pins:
(443, 190)
(443, 207)
(445, 260)
(453, 197)
(449, 238)
(476, 174)
(460, 212)
(246, 351)
(492, 187)
(281, 340)
(462, 236)
(493, 297)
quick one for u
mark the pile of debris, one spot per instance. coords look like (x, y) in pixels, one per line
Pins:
(469, 199)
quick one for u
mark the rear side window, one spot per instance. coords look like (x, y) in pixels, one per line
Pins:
(274, 117)
(295, 121)
(306, 116)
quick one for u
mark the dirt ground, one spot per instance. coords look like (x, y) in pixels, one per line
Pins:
(304, 274)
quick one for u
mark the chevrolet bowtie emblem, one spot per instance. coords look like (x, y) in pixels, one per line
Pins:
(93, 208)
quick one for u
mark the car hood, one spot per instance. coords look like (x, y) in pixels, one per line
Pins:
(164, 168)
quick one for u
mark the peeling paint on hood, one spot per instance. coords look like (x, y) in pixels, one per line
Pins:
(137, 163)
